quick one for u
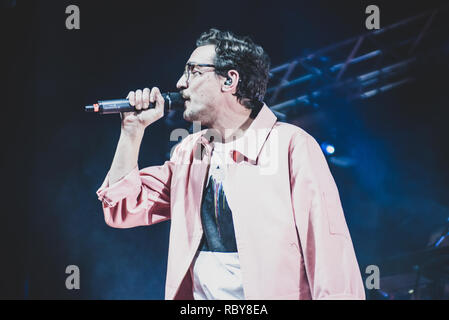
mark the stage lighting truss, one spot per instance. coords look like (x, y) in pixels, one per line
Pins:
(360, 67)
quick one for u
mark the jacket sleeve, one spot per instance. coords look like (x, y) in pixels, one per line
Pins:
(329, 258)
(140, 198)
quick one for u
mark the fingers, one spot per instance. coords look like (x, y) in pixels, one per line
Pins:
(156, 97)
(131, 98)
(145, 98)
(141, 99)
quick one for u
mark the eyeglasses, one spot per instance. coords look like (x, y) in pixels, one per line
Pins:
(189, 69)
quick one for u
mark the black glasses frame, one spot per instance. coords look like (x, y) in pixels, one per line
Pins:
(190, 66)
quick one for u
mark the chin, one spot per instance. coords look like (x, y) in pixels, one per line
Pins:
(187, 115)
(190, 114)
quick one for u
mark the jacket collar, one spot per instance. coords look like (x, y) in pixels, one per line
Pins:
(250, 144)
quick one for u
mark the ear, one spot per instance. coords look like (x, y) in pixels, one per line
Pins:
(230, 82)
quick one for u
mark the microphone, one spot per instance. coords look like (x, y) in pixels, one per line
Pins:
(173, 101)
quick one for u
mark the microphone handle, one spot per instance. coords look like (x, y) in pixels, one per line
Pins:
(116, 106)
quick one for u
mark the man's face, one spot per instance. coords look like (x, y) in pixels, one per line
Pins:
(202, 89)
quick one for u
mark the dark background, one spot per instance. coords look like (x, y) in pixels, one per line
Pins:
(55, 156)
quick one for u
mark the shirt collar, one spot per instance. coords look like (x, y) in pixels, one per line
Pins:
(250, 144)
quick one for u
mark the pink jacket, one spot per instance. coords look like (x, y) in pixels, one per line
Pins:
(291, 233)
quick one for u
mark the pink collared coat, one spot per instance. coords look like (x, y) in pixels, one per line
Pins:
(291, 233)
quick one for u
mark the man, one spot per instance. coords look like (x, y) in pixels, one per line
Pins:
(255, 212)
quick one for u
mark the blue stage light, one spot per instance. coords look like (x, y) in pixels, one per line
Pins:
(328, 148)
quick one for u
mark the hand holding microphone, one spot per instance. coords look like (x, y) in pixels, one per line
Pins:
(144, 115)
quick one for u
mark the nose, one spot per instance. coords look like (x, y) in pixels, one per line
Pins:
(182, 82)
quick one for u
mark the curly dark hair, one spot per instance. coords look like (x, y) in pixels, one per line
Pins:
(243, 55)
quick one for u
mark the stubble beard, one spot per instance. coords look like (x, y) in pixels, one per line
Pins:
(192, 115)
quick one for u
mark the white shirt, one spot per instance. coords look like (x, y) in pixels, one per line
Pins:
(217, 275)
